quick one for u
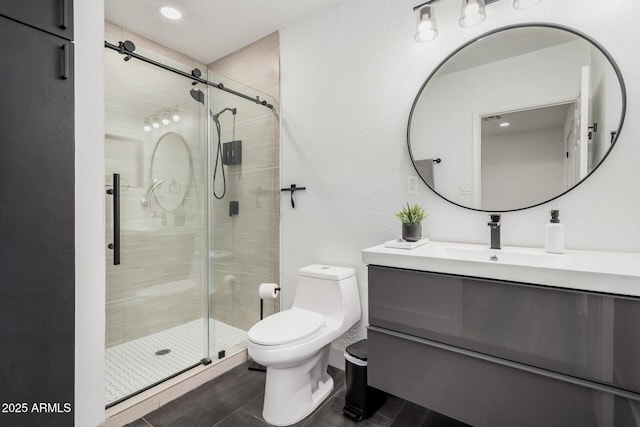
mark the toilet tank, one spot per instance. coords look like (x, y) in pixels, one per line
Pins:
(329, 290)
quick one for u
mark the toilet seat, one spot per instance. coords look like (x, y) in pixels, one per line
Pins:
(286, 327)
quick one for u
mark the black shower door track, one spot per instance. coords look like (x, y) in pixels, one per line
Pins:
(123, 51)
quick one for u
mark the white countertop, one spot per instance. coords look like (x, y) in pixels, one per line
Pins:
(608, 272)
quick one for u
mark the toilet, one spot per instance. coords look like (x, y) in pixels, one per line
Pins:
(294, 344)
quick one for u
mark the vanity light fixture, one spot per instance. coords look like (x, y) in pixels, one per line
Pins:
(170, 12)
(472, 13)
(426, 27)
(164, 117)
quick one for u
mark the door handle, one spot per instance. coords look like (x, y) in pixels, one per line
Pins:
(64, 12)
(64, 72)
(115, 192)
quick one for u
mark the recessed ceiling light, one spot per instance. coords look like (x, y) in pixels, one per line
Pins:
(504, 124)
(170, 12)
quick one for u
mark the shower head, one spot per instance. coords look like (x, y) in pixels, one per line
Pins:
(197, 94)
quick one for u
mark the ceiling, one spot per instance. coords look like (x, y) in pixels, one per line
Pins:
(210, 29)
(505, 45)
(535, 119)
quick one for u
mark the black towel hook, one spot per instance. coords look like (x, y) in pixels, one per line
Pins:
(293, 189)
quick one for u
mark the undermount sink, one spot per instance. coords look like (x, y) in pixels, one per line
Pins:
(610, 272)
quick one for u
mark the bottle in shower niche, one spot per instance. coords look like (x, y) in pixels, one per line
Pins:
(554, 234)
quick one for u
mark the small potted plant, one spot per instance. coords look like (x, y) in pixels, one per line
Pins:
(411, 218)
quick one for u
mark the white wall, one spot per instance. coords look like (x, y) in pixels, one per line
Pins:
(349, 78)
(90, 241)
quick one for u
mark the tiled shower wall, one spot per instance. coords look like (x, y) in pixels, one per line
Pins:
(258, 66)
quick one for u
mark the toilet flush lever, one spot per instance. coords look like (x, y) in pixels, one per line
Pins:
(293, 189)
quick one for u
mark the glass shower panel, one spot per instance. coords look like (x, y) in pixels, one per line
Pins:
(155, 309)
(244, 248)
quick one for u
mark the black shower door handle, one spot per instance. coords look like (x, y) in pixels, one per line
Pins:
(115, 192)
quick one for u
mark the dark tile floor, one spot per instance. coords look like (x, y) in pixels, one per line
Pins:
(235, 400)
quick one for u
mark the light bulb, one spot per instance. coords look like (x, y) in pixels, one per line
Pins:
(165, 119)
(155, 123)
(471, 9)
(175, 115)
(425, 26)
(147, 126)
(472, 13)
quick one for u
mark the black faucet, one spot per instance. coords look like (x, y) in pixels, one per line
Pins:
(495, 231)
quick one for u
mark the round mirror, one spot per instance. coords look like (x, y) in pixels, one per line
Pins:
(516, 117)
(171, 171)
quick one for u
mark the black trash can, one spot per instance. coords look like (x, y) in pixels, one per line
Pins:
(361, 401)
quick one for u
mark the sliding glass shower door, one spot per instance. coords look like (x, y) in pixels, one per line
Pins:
(245, 211)
(192, 216)
(156, 146)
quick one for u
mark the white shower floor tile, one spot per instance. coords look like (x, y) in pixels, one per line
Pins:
(134, 365)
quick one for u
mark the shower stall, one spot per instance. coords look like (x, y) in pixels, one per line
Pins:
(192, 215)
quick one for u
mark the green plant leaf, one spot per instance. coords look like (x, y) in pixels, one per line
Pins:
(411, 214)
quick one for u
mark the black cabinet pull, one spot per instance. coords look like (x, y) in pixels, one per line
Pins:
(64, 11)
(115, 192)
(64, 72)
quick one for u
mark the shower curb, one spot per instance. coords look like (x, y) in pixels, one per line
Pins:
(152, 399)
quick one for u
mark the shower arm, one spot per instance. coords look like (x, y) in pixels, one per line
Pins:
(215, 116)
(146, 199)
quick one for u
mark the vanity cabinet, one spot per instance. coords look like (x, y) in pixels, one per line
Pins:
(499, 353)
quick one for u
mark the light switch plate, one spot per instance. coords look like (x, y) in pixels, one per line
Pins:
(464, 190)
(412, 185)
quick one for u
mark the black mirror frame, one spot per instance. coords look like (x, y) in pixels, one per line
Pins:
(510, 27)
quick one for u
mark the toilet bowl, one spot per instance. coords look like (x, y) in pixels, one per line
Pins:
(294, 344)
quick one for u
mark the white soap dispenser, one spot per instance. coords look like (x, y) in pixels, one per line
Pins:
(554, 235)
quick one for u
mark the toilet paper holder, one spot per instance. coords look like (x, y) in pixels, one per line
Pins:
(276, 291)
(267, 290)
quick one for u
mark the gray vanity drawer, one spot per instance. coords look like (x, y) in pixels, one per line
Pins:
(590, 336)
(484, 391)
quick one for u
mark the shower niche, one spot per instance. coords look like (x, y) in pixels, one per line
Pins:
(185, 291)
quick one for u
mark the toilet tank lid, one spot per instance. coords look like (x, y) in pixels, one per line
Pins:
(327, 272)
